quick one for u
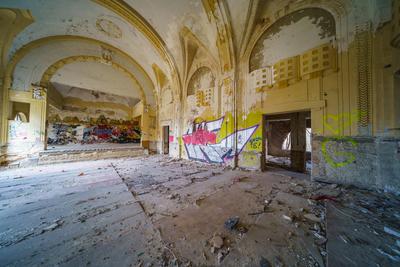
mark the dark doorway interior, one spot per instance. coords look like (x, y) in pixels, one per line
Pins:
(288, 141)
(166, 139)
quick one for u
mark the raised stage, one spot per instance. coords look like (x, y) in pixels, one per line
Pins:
(79, 152)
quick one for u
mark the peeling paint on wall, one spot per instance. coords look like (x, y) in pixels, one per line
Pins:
(293, 35)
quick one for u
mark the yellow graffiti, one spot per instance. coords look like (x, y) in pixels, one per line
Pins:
(328, 156)
(335, 124)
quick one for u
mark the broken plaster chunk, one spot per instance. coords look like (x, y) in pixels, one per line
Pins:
(312, 217)
(56, 224)
(288, 218)
(391, 231)
(173, 196)
(217, 241)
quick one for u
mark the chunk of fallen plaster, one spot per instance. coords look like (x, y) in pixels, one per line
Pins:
(53, 226)
(288, 218)
(217, 241)
(391, 231)
(312, 217)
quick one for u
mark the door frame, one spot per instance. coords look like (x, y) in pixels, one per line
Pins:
(165, 139)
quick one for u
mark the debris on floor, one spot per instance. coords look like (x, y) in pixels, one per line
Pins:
(186, 213)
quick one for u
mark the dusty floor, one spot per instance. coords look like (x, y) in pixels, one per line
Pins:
(157, 211)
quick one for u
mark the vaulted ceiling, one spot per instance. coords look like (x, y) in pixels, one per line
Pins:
(148, 43)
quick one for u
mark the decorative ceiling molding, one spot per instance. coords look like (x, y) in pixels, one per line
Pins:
(12, 22)
(162, 79)
(26, 49)
(191, 47)
(51, 70)
(127, 12)
(217, 11)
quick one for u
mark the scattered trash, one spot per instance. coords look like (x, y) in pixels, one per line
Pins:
(344, 239)
(278, 262)
(288, 218)
(231, 223)
(81, 174)
(393, 258)
(323, 197)
(264, 262)
(217, 241)
(312, 217)
(239, 179)
(173, 196)
(220, 257)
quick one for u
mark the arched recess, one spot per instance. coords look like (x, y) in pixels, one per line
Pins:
(12, 22)
(58, 40)
(276, 41)
(51, 70)
(202, 78)
(278, 48)
(292, 35)
(202, 98)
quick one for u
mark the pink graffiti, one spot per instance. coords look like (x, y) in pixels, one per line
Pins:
(200, 137)
(171, 138)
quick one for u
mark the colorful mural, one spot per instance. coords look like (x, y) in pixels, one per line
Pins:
(201, 144)
(62, 134)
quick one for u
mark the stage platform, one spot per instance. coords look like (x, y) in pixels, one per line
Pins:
(79, 152)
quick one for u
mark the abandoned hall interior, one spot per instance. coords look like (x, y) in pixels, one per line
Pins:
(200, 133)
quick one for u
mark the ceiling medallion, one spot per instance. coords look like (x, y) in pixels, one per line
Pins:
(109, 28)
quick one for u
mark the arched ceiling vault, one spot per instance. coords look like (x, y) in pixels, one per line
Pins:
(30, 61)
(54, 68)
(87, 19)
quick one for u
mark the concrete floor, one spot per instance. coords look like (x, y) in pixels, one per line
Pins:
(157, 211)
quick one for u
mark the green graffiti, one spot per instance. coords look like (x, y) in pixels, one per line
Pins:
(255, 143)
(343, 121)
(349, 157)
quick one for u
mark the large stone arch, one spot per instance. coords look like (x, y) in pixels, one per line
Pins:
(51, 70)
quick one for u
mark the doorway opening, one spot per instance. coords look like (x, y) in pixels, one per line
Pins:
(288, 141)
(165, 139)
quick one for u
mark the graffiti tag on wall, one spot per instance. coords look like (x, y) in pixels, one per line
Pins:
(201, 144)
(331, 151)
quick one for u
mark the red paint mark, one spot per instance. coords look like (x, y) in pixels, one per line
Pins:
(200, 137)
(171, 138)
